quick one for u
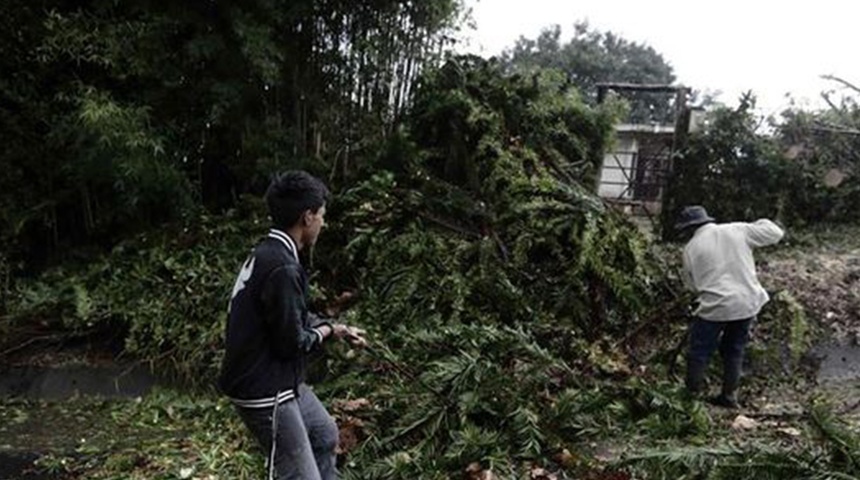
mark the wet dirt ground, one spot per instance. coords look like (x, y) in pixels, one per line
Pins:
(57, 411)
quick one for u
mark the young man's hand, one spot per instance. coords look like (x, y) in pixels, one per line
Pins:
(353, 335)
(356, 337)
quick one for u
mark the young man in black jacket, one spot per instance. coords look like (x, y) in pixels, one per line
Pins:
(270, 334)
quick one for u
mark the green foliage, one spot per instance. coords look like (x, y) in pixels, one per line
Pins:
(451, 396)
(788, 333)
(731, 170)
(591, 57)
(739, 173)
(679, 463)
(123, 167)
(168, 433)
(490, 278)
(843, 444)
(485, 268)
(474, 399)
(485, 205)
(165, 435)
(824, 146)
(658, 411)
(834, 456)
(123, 117)
(168, 294)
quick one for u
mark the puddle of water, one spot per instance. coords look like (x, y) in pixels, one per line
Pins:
(71, 381)
(19, 466)
(839, 363)
(75, 427)
(60, 410)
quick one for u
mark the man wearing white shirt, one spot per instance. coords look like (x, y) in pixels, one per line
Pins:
(719, 266)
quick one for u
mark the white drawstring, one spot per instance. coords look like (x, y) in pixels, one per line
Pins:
(274, 439)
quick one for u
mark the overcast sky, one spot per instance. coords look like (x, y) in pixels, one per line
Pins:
(770, 47)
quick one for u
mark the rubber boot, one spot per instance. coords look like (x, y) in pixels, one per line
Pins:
(695, 381)
(731, 380)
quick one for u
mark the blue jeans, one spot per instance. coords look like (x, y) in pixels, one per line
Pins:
(306, 437)
(705, 337)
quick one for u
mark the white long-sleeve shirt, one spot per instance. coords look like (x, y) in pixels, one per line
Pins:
(719, 266)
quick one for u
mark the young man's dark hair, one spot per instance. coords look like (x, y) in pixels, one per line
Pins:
(292, 193)
(270, 334)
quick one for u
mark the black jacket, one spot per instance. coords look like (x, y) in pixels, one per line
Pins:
(269, 329)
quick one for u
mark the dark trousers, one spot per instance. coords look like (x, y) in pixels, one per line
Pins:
(305, 440)
(705, 337)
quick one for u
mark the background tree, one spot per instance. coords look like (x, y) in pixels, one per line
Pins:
(591, 57)
(799, 174)
(826, 145)
(121, 117)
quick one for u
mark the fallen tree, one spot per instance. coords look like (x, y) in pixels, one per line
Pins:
(503, 299)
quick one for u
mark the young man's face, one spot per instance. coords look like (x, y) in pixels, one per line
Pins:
(314, 222)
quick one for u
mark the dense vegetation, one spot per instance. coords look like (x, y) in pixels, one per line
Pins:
(592, 57)
(516, 321)
(477, 255)
(122, 117)
(801, 174)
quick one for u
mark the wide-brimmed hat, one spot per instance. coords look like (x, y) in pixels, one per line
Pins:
(693, 216)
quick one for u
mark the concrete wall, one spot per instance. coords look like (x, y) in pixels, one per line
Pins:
(618, 165)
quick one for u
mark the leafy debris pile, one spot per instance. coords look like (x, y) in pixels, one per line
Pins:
(498, 291)
(825, 280)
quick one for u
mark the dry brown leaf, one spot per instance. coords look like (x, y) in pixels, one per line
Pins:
(339, 304)
(742, 422)
(793, 152)
(834, 177)
(538, 473)
(350, 406)
(790, 431)
(350, 433)
(565, 458)
(476, 472)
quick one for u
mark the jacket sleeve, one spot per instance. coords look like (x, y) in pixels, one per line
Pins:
(284, 303)
(763, 233)
(316, 321)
